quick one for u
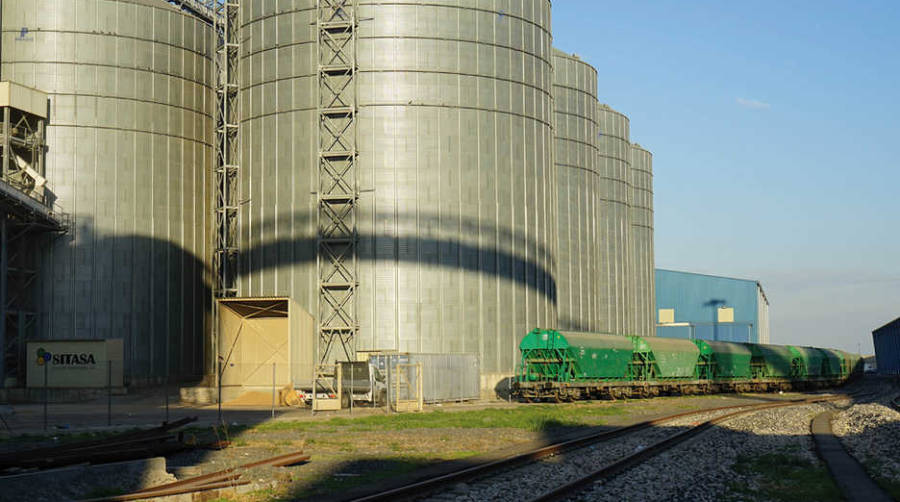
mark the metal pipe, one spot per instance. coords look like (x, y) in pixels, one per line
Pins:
(273, 390)
(108, 393)
(5, 170)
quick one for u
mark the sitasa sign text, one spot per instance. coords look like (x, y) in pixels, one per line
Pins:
(65, 359)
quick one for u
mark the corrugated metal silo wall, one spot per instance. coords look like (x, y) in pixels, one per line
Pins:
(642, 261)
(575, 130)
(278, 79)
(456, 215)
(130, 154)
(613, 223)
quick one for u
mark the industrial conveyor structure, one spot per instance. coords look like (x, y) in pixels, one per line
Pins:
(26, 216)
(338, 188)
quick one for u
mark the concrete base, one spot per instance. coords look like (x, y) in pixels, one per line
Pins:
(233, 395)
(36, 395)
(496, 385)
(198, 395)
(84, 481)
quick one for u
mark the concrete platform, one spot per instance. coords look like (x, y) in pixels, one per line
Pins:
(849, 475)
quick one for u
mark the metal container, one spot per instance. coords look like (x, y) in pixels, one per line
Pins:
(456, 207)
(130, 152)
(445, 377)
(641, 243)
(577, 182)
(887, 348)
(613, 222)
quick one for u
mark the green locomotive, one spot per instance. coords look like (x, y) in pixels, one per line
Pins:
(567, 365)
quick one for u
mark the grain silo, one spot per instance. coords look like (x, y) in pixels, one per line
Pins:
(130, 149)
(575, 130)
(613, 223)
(419, 133)
(642, 260)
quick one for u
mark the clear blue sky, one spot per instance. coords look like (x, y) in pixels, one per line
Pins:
(775, 129)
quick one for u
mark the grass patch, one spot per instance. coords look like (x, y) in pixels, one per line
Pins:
(531, 418)
(785, 477)
(456, 455)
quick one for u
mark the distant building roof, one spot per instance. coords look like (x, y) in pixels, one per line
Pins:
(758, 284)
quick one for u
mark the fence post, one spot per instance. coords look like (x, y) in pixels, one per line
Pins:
(108, 393)
(387, 396)
(46, 367)
(219, 386)
(351, 387)
(166, 391)
(273, 389)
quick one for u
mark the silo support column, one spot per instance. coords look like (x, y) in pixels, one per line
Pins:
(4, 275)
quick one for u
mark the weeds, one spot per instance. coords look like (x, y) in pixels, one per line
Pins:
(785, 477)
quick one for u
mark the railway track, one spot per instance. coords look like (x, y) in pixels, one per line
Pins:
(571, 489)
(507, 466)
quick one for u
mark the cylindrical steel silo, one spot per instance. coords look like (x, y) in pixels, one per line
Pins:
(613, 223)
(643, 274)
(577, 182)
(130, 154)
(456, 185)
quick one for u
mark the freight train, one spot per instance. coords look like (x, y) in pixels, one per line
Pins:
(566, 365)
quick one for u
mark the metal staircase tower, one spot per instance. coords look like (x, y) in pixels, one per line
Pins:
(338, 189)
(227, 169)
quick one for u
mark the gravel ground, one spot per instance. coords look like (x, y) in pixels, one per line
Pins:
(871, 433)
(702, 468)
(527, 481)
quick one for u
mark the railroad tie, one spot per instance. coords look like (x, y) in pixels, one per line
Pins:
(851, 478)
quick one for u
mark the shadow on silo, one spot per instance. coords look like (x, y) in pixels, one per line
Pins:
(447, 252)
(149, 291)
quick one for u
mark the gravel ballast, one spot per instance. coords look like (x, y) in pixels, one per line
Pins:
(530, 480)
(871, 433)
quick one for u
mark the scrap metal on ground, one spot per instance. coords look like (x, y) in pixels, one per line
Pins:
(155, 442)
(225, 478)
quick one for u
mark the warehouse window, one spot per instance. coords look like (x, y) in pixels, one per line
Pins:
(666, 316)
(726, 314)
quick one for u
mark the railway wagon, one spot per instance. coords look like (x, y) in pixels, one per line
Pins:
(565, 366)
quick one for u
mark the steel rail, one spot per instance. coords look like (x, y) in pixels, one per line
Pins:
(219, 479)
(626, 463)
(420, 488)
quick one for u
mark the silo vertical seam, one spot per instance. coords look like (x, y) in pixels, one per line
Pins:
(500, 328)
(482, 265)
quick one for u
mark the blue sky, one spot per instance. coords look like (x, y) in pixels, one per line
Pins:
(775, 129)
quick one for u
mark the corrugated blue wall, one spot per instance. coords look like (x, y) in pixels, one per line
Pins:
(696, 299)
(887, 348)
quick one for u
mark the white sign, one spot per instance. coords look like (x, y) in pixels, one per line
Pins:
(74, 363)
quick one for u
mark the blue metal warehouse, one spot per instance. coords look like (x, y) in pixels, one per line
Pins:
(887, 348)
(710, 307)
